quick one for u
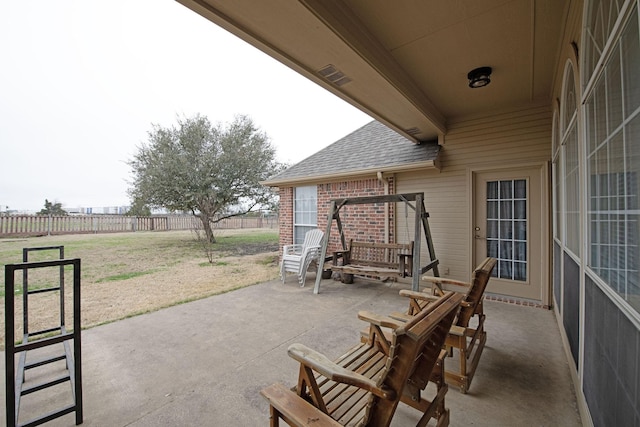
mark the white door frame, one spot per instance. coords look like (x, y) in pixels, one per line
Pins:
(543, 210)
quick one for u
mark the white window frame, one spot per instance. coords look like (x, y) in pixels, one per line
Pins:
(613, 212)
(305, 211)
(570, 164)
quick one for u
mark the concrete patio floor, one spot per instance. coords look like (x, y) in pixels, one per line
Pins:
(205, 362)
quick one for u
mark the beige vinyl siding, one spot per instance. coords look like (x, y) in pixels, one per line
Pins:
(445, 193)
(511, 139)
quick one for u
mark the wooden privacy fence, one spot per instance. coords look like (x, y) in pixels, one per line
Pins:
(41, 225)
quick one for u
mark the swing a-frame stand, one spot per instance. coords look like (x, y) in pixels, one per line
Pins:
(421, 223)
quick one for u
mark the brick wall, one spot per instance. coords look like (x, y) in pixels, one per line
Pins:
(286, 216)
(360, 222)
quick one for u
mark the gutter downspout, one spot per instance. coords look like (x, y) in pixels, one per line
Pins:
(385, 181)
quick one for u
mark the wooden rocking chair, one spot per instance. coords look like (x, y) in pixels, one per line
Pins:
(462, 337)
(364, 386)
(297, 258)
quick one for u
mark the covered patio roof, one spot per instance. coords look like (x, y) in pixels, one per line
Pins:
(406, 65)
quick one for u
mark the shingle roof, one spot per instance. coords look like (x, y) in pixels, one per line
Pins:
(373, 146)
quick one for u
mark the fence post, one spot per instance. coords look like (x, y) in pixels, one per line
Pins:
(49, 226)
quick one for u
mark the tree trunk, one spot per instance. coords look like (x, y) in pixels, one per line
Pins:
(206, 225)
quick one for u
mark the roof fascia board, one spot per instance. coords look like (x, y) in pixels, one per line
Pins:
(362, 173)
(203, 8)
(337, 16)
(424, 106)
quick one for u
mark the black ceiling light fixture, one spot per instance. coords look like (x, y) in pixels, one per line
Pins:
(479, 77)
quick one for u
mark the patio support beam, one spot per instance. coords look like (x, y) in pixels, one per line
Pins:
(337, 16)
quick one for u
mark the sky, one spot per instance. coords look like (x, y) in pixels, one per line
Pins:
(83, 82)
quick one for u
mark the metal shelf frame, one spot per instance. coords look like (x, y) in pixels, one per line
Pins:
(32, 340)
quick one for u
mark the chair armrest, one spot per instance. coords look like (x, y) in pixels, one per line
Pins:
(295, 408)
(421, 296)
(319, 363)
(405, 263)
(311, 249)
(445, 281)
(458, 331)
(403, 317)
(344, 254)
(376, 319)
(295, 249)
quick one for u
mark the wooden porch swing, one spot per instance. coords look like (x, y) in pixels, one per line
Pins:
(375, 267)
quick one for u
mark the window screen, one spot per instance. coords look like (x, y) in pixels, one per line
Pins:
(305, 212)
(613, 153)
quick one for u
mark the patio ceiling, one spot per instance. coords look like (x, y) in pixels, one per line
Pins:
(406, 63)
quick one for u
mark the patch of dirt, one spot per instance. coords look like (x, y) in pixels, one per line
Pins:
(253, 248)
(187, 281)
(173, 283)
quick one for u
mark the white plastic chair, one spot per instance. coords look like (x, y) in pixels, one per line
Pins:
(297, 258)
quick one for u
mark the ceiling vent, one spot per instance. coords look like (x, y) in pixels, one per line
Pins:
(412, 131)
(335, 76)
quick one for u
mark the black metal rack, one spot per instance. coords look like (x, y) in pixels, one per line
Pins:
(33, 340)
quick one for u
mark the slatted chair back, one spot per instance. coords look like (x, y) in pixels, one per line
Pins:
(415, 345)
(313, 238)
(378, 254)
(473, 298)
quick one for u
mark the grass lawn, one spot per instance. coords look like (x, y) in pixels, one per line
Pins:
(126, 274)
